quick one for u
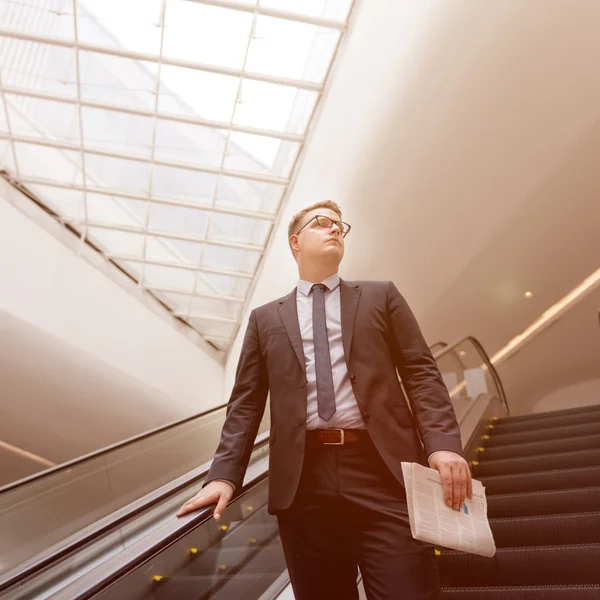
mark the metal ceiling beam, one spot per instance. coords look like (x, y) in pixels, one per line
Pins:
(162, 234)
(185, 315)
(155, 199)
(153, 58)
(140, 112)
(61, 145)
(183, 266)
(279, 14)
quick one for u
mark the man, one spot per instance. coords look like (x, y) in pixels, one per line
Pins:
(329, 352)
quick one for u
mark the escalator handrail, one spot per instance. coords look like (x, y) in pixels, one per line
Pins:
(109, 523)
(132, 557)
(486, 359)
(103, 451)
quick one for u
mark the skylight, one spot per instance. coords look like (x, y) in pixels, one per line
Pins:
(165, 132)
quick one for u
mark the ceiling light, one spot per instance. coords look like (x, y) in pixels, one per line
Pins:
(550, 315)
(528, 294)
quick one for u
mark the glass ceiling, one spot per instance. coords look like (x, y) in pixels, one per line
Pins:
(165, 132)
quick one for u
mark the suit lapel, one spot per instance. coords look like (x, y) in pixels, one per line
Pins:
(349, 297)
(289, 315)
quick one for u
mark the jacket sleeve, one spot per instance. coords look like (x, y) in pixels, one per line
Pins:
(245, 410)
(427, 394)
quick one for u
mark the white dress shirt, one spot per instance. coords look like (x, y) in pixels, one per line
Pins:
(347, 414)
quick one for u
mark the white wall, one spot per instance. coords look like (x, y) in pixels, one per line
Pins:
(585, 393)
(55, 303)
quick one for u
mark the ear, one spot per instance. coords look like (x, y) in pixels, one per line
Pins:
(294, 243)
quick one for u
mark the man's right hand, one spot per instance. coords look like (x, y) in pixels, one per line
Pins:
(219, 492)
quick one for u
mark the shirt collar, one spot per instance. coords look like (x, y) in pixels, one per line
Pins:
(330, 283)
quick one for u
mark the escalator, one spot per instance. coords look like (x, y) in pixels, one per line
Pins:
(542, 479)
(541, 472)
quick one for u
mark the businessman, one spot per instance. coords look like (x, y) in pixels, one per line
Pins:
(330, 353)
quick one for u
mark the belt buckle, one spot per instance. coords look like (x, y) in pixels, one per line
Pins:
(340, 443)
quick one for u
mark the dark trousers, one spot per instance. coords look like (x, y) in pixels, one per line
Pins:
(349, 512)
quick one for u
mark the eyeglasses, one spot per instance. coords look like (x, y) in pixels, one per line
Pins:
(327, 223)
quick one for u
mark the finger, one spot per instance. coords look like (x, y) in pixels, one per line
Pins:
(455, 488)
(221, 505)
(463, 484)
(469, 484)
(198, 501)
(446, 477)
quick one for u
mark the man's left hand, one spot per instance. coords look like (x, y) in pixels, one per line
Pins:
(455, 475)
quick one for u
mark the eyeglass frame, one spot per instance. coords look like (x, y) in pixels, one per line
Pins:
(333, 221)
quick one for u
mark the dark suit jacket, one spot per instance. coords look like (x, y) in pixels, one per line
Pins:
(380, 335)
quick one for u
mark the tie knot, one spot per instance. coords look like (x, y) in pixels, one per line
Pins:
(318, 286)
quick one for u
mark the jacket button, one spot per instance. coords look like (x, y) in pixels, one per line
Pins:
(366, 417)
(352, 378)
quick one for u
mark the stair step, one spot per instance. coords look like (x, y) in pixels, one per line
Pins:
(543, 503)
(501, 428)
(538, 592)
(185, 587)
(587, 442)
(546, 462)
(542, 480)
(551, 413)
(538, 435)
(224, 560)
(547, 530)
(535, 565)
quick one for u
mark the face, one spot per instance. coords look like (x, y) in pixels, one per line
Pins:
(316, 243)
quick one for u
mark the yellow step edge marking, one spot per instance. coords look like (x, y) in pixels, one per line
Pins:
(157, 577)
(437, 552)
(223, 528)
(193, 550)
(222, 567)
(485, 437)
(474, 463)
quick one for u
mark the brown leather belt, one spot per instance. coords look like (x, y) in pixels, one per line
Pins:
(337, 437)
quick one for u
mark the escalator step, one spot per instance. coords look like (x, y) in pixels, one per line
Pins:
(538, 592)
(547, 530)
(545, 447)
(546, 462)
(543, 480)
(538, 435)
(537, 565)
(192, 588)
(553, 413)
(544, 502)
(222, 560)
(501, 428)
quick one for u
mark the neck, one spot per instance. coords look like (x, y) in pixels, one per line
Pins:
(317, 273)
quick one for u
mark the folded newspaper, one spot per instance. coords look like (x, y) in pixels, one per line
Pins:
(466, 529)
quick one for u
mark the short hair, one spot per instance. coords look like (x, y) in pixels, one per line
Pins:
(330, 204)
